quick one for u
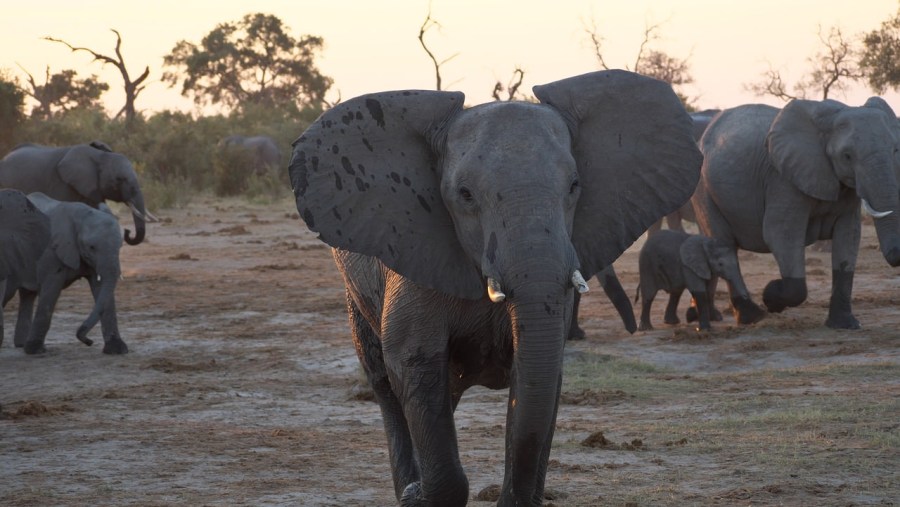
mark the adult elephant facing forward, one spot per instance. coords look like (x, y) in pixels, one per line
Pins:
(779, 180)
(87, 173)
(462, 234)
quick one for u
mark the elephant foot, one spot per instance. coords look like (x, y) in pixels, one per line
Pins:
(645, 326)
(576, 333)
(780, 294)
(715, 315)
(842, 321)
(746, 311)
(413, 497)
(32, 348)
(115, 345)
(691, 314)
(672, 319)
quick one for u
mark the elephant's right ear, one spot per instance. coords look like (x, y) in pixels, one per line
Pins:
(694, 254)
(366, 177)
(63, 238)
(80, 169)
(797, 147)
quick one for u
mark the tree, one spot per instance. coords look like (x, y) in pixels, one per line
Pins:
(428, 24)
(880, 60)
(132, 88)
(251, 61)
(511, 88)
(649, 62)
(830, 70)
(12, 105)
(62, 92)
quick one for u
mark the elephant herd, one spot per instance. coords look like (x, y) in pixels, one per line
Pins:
(465, 234)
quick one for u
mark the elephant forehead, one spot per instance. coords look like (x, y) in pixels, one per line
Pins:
(509, 134)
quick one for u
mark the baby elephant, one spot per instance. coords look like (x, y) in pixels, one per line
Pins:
(675, 260)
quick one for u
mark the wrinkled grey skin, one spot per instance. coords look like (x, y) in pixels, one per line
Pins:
(84, 243)
(262, 151)
(612, 287)
(24, 235)
(700, 120)
(673, 261)
(425, 201)
(88, 173)
(778, 180)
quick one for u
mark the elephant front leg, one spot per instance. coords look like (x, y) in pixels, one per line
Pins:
(843, 262)
(671, 316)
(105, 304)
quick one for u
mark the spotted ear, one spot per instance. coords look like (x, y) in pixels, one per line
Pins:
(694, 252)
(636, 155)
(366, 178)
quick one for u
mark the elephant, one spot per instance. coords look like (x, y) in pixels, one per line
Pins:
(461, 235)
(24, 235)
(87, 173)
(700, 120)
(262, 151)
(84, 243)
(778, 180)
(614, 291)
(675, 260)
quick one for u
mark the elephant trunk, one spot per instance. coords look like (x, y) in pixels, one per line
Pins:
(139, 214)
(881, 199)
(888, 230)
(104, 301)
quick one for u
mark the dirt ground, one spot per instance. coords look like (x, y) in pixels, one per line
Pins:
(239, 390)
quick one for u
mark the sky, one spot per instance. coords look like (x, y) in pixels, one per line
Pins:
(372, 45)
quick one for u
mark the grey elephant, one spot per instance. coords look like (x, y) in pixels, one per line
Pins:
(700, 120)
(24, 235)
(778, 180)
(261, 151)
(612, 287)
(84, 243)
(87, 173)
(673, 261)
(461, 235)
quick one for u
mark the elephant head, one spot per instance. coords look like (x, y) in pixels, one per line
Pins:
(707, 257)
(508, 200)
(824, 146)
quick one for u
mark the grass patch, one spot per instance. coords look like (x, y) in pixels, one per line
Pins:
(599, 372)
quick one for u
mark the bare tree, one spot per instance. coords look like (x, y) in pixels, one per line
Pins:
(62, 92)
(133, 88)
(830, 70)
(511, 88)
(427, 25)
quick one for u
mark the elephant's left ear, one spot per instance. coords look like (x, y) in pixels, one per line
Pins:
(63, 238)
(694, 254)
(80, 169)
(637, 159)
(797, 147)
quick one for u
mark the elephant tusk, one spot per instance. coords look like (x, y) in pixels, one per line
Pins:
(151, 217)
(872, 211)
(145, 215)
(578, 281)
(495, 292)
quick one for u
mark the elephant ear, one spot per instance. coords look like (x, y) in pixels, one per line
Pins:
(79, 168)
(694, 253)
(24, 233)
(63, 237)
(797, 146)
(637, 159)
(366, 177)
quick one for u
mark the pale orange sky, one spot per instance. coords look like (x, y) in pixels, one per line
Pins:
(372, 45)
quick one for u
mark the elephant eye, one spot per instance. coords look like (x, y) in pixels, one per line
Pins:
(848, 157)
(465, 194)
(574, 187)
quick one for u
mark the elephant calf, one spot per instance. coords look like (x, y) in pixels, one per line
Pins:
(675, 260)
(84, 243)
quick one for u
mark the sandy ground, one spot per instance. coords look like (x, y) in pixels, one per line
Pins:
(239, 390)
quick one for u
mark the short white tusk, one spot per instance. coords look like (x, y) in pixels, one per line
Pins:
(145, 216)
(578, 281)
(495, 292)
(151, 217)
(872, 211)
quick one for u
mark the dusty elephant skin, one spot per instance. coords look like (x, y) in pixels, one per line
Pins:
(461, 234)
(87, 173)
(793, 176)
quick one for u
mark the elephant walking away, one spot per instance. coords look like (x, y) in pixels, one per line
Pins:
(778, 180)
(673, 261)
(87, 173)
(612, 287)
(84, 243)
(462, 235)
(261, 152)
(24, 235)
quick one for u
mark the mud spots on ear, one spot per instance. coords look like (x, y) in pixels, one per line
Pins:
(375, 110)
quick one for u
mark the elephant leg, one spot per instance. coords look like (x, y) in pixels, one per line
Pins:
(613, 289)
(843, 262)
(654, 228)
(673, 221)
(647, 297)
(2, 304)
(703, 302)
(671, 316)
(23, 321)
(109, 323)
(575, 331)
(784, 231)
(51, 287)
(714, 313)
